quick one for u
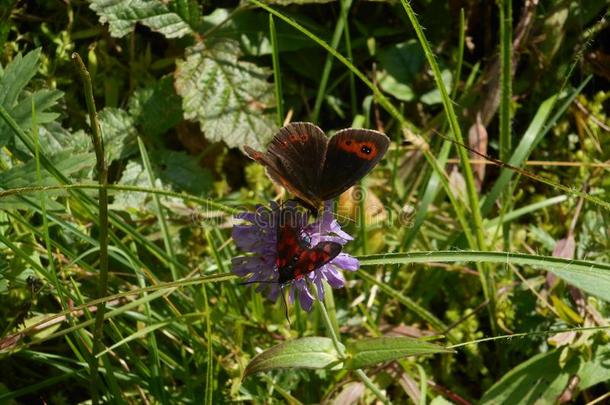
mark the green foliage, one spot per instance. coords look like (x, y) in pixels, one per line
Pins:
(156, 108)
(231, 99)
(15, 77)
(122, 17)
(508, 303)
(307, 352)
(368, 352)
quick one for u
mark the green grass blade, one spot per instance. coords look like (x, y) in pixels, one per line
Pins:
(592, 277)
(167, 238)
(506, 27)
(277, 76)
(328, 63)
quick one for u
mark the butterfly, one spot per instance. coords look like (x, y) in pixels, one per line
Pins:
(316, 168)
(295, 255)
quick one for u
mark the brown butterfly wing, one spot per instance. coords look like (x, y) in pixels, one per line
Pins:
(294, 159)
(350, 155)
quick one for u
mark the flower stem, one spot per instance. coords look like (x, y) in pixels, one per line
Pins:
(339, 347)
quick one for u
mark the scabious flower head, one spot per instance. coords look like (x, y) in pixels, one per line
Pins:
(258, 236)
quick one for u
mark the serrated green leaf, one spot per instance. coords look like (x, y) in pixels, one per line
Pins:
(76, 166)
(156, 108)
(372, 351)
(133, 175)
(13, 81)
(16, 76)
(229, 98)
(43, 101)
(307, 352)
(119, 133)
(69, 163)
(53, 139)
(122, 17)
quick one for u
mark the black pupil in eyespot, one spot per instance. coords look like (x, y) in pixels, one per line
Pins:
(366, 149)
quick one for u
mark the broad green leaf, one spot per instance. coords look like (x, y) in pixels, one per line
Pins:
(389, 84)
(399, 65)
(540, 379)
(122, 17)
(182, 171)
(592, 277)
(372, 351)
(157, 108)
(133, 175)
(53, 139)
(307, 352)
(596, 369)
(119, 133)
(229, 98)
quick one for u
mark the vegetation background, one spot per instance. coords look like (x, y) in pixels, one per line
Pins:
(180, 85)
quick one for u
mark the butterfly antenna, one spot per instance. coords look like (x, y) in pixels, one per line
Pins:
(285, 305)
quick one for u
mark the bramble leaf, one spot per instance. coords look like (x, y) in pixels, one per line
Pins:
(119, 133)
(228, 97)
(156, 108)
(122, 17)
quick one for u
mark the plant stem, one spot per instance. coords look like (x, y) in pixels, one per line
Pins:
(102, 169)
(339, 348)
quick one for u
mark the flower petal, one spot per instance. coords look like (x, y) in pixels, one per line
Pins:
(333, 276)
(305, 297)
(346, 262)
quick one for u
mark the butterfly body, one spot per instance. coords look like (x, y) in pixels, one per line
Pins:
(316, 168)
(295, 256)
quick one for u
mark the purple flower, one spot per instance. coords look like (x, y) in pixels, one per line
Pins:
(259, 237)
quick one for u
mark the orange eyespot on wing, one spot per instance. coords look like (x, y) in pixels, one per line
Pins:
(363, 149)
